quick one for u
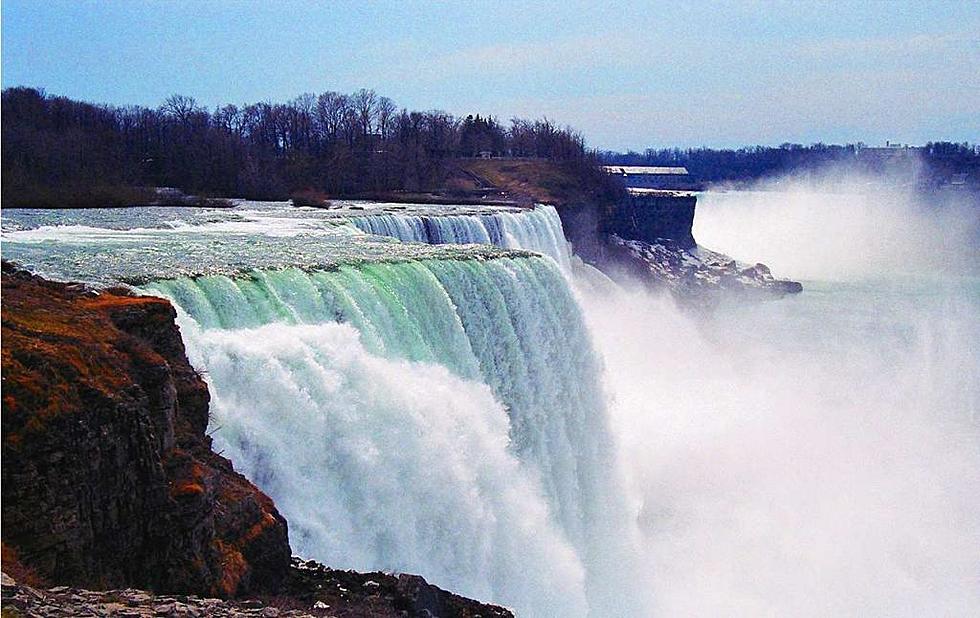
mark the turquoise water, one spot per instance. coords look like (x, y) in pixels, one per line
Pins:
(317, 377)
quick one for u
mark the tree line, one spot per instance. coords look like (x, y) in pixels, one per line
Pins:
(942, 160)
(340, 144)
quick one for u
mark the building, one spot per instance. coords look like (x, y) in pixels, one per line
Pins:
(650, 177)
(890, 152)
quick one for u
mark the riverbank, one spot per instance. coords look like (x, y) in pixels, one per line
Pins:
(107, 196)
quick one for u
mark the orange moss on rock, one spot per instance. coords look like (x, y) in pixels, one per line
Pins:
(108, 475)
(233, 568)
(259, 528)
(55, 342)
(190, 485)
(16, 569)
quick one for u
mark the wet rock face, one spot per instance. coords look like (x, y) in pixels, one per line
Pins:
(657, 217)
(108, 477)
(654, 217)
(696, 275)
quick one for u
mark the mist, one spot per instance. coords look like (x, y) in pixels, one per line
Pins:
(839, 224)
(817, 455)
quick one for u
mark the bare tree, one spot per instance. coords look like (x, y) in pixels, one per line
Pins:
(331, 142)
(386, 111)
(330, 111)
(364, 102)
(180, 107)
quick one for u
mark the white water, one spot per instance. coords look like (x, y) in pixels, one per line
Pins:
(815, 456)
(536, 230)
(485, 463)
(387, 464)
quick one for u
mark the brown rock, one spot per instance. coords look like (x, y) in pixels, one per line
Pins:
(108, 478)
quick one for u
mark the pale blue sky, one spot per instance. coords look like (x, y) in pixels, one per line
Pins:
(627, 74)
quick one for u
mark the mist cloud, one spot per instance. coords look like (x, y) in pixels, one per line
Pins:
(840, 224)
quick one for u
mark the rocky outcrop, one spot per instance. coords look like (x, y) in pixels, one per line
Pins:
(108, 477)
(310, 590)
(697, 276)
(381, 595)
(647, 235)
(68, 602)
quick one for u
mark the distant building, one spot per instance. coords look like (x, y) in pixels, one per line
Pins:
(889, 152)
(650, 177)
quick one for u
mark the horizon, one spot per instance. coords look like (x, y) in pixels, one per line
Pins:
(601, 151)
(734, 76)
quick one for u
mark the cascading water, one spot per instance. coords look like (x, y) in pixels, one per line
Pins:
(428, 408)
(440, 416)
(538, 229)
(386, 464)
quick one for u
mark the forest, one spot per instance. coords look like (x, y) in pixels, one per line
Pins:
(59, 152)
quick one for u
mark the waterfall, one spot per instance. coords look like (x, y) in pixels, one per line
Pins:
(436, 409)
(537, 230)
(439, 416)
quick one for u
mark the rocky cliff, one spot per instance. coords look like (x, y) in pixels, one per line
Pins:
(647, 235)
(698, 277)
(654, 216)
(108, 476)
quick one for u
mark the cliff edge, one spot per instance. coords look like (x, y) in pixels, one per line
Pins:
(108, 476)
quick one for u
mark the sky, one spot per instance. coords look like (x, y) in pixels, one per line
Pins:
(627, 75)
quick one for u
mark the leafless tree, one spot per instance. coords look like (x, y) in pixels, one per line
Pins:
(364, 103)
(180, 107)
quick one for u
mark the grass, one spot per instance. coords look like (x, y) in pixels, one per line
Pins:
(535, 180)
